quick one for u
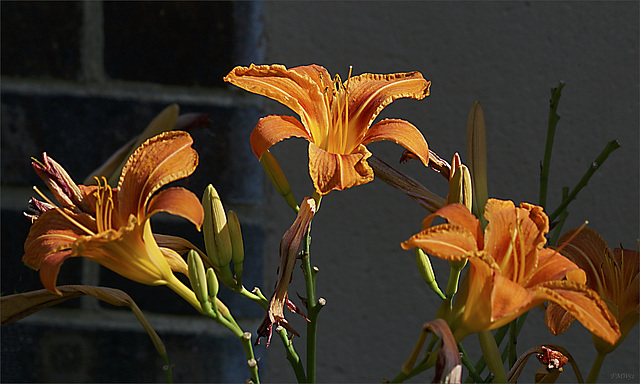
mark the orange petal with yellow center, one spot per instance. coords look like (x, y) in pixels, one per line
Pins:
(330, 171)
(584, 304)
(298, 88)
(400, 132)
(180, 202)
(273, 129)
(446, 241)
(158, 161)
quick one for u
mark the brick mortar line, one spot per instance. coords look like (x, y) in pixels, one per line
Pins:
(119, 89)
(110, 319)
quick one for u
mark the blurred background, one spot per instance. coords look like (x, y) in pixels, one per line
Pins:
(79, 79)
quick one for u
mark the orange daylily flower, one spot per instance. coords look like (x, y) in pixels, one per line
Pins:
(111, 225)
(510, 270)
(613, 274)
(335, 117)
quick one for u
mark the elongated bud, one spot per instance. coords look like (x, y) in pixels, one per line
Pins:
(212, 287)
(477, 158)
(215, 229)
(460, 188)
(237, 256)
(426, 270)
(278, 179)
(197, 276)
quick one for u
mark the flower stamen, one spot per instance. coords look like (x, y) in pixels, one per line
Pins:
(104, 204)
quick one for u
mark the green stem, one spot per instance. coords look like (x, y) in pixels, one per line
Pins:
(292, 355)
(513, 341)
(595, 368)
(563, 218)
(467, 363)
(492, 356)
(499, 336)
(313, 309)
(551, 131)
(610, 147)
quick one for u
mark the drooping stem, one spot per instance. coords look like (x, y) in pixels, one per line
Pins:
(551, 131)
(595, 368)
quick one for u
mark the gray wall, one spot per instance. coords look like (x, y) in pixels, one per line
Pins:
(507, 55)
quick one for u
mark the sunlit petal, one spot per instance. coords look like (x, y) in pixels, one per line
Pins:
(157, 162)
(331, 171)
(179, 202)
(400, 132)
(273, 129)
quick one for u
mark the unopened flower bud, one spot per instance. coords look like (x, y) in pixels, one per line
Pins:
(426, 270)
(212, 287)
(477, 157)
(197, 276)
(277, 177)
(460, 188)
(215, 229)
(237, 245)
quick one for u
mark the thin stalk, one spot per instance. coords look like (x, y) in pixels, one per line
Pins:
(513, 341)
(595, 368)
(467, 363)
(313, 309)
(597, 163)
(563, 218)
(551, 131)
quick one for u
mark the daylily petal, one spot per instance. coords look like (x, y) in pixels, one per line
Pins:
(370, 93)
(446, 241)
(176, 262)
(458, 214)
(179, 202)
(400, 132)
(509, 300)
(130, 251)
(557, 318)
(583, 304)
(51, 233)
(158, 161)
(588, 250)
(331, 171)
(554, 266)
(58, 181)
(297, 88)
(273, 129)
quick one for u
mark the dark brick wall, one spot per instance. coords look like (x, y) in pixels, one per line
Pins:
(79, 79)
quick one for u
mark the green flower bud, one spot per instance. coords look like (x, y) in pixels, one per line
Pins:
(237, 245)
(278, 179)
(215, 229)
(212, 287)
(477, 158)
(197, 276)
(426, 270)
